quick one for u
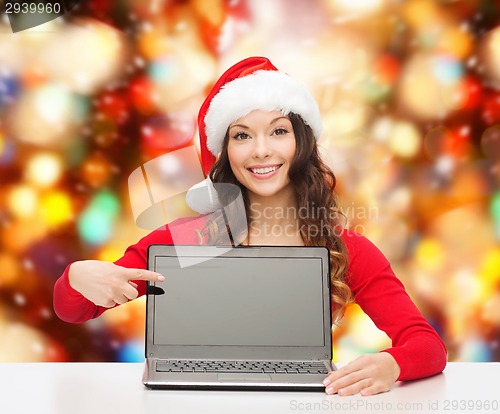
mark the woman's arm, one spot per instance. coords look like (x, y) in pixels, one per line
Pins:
(88, 288)
(417, 350)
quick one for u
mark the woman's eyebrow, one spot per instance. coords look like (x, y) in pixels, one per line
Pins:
(277, 119)
(246, 127)
(239, 126)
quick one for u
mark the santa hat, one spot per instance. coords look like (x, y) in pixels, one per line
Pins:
(254, 83)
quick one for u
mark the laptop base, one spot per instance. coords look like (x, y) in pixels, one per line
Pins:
(231, 381)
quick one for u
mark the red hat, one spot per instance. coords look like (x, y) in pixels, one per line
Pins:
(254, 83)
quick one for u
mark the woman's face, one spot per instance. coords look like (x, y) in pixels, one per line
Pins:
(261, 148)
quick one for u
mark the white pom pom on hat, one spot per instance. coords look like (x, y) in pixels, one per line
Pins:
(202, 197)
(251, 84)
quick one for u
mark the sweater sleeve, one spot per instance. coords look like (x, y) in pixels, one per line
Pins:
(416, 346)
(71, 306)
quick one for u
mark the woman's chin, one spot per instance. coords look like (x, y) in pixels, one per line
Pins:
(268, 191)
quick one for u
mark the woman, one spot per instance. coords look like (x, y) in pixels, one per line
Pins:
(258, 131)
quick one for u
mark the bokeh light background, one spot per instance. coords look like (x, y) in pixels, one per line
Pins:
(410, 96)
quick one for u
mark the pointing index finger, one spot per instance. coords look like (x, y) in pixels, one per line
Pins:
(137, 274)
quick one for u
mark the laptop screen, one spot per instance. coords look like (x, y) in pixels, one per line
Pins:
(240, 301)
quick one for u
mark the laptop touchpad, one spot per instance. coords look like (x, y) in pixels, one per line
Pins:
(243, 377)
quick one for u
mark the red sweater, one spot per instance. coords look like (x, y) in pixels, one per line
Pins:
(416, 346)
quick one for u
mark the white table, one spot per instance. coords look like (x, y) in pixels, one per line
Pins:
(116, 388)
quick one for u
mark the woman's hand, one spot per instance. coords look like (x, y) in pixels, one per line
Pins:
(107, 284)
(368, 375)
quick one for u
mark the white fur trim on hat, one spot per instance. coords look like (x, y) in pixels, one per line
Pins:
(266, 90)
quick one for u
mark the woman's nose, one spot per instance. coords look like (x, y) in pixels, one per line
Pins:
(261, 147)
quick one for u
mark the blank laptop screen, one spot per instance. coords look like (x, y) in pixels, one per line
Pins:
(235, 301)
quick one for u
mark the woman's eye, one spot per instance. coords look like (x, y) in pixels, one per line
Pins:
(280, 131)
(241, 136)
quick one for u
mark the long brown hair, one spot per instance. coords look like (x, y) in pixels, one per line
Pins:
(314, 184)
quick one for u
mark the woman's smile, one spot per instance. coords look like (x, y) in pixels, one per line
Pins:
(264, 172)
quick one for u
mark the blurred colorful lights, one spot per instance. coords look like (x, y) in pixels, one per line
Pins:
(44, 169)
(495, 209)
(97, 221)
(405, 139)
(56, 208)
(409, 95)
(23, 201)
(9, 89)
(131, 351)
(447, 70)
(357, 7)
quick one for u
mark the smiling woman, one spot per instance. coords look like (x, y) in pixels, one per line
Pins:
(258, 131)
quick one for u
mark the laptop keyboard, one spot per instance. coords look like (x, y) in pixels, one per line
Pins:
(269, 367)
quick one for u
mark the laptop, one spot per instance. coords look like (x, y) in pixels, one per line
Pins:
(256, 317)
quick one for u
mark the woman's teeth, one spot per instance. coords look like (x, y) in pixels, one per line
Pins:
(264, 170)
